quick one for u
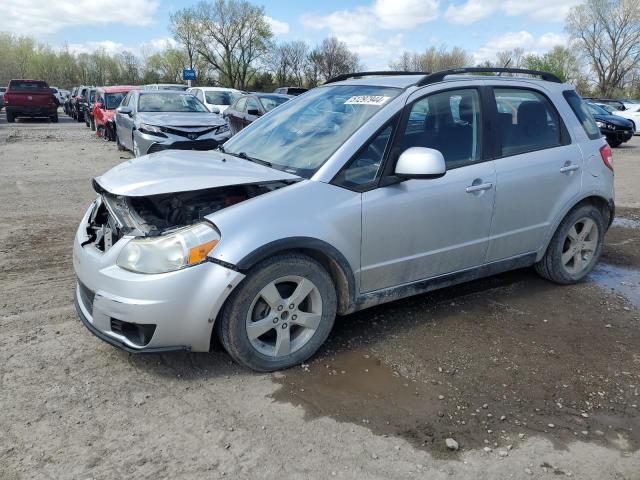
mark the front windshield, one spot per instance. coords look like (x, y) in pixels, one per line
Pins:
(113, 100)
(303, 133)
(269, 102)
(220, 97)
(170, 102)
(180, 88)
(597, 109)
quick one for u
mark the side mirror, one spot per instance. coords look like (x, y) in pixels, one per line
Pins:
(214, 110)
(125, 110)
(420, 162)
(254, 112)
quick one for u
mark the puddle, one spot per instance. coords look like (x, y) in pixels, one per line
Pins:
(622, 222)
(623, 281)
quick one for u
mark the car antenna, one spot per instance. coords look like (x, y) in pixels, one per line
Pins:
(505, 66)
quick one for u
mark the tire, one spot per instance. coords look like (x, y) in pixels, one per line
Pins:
(54, 118)
(614, 143)
(553, 266)
(79, 118)
(92, 124)
(10, 117)
(247, 307)
(86, 120)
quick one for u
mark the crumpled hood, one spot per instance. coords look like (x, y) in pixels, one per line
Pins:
(175, 119)
(181, 171)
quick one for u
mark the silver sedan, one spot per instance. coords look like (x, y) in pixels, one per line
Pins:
(148, 122)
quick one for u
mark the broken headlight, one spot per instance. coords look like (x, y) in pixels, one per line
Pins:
(167, 253)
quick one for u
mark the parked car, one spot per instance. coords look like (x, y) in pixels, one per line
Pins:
(30, 98)
(80, 103)
(166, 86)
(614, 128)
(2, 90)
(249, 108)
(104, 108)
(87, 107)
(335, 202)
(631, 113)
(58, 94)
(216, 99)
(152, 121)
(75, 104)
(291, 90)
(68, 107)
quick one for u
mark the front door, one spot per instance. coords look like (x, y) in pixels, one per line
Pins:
(420, 229)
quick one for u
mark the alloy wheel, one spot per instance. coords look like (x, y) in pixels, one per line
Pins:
(284, 316)
(580, 246)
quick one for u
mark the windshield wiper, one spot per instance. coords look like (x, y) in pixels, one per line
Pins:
(244, 156)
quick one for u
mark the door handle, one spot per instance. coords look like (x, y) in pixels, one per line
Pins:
(478, 188)
(569, 168)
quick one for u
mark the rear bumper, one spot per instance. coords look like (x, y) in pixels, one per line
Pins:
(31, 111)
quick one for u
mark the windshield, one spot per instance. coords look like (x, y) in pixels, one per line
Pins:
(597, 109)
(220, 98)
(113, 100)
(170, 102)
(180, 88)
(269, 102)
(302, 134)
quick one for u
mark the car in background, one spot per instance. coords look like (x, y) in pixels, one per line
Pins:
(167, 86)
(631, 113)
(87, 107)
(249, 108)
(291, 90)
(79, 104)
(152, 121)
(104, 109)
(58, 94)
(30, 98)
(68, 102)
(2, 90)
(614, 128)
(216, 99)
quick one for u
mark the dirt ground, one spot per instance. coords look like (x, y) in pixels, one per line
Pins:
(531, 379)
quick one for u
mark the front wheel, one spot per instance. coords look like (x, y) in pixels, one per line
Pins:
(575, 247)
(280, 314)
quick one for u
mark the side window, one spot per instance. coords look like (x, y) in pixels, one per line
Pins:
(125, 100)
(449, 122)
(527, 121)
(240, 105)
(252, 104)
(581, 110)
(365, 167)
(200, 95)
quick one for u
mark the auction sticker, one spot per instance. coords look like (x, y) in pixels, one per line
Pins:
(367, 100)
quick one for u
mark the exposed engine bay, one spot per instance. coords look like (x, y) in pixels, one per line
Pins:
(115, 216)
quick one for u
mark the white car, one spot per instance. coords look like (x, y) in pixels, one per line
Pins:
(632, 113)
(59, 94)
(217, 99)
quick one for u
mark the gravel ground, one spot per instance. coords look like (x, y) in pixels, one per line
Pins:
(531, 380)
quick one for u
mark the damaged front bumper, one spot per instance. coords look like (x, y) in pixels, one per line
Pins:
(147, 312)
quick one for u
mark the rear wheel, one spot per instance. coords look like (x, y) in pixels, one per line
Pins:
(10, 117)
(54, 118)
(575, 247)
(280, 314)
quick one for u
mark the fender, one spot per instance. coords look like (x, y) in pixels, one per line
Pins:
(310, 244)
(563, 213)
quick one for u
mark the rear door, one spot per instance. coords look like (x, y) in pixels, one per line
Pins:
(538, 170)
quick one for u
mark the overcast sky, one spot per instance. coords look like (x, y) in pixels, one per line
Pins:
(379, 30)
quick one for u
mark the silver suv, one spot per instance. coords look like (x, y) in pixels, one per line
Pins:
(363, 191)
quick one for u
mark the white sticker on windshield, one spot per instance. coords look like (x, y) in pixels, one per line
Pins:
(367, 100)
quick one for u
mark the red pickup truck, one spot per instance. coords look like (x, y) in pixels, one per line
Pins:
(30, 98)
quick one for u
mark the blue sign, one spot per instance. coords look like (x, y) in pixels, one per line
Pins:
(188, 74)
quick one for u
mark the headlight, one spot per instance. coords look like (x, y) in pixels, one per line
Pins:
(151, 130)
(182, 248)
(223, 128)
(601, 124)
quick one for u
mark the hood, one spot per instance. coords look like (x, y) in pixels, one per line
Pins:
(181, 171)
(614, 119)
(180, 119)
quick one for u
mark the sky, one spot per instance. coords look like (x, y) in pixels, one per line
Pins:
(378, 30)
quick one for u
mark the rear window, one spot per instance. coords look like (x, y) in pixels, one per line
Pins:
(20, 86)
(583, 114)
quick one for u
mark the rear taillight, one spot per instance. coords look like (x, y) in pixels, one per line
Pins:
(607, 156)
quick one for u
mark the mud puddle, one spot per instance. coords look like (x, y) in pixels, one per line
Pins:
(620, 280)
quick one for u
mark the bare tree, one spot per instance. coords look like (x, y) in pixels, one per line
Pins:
(184, 27)
(233, 36)
(608, 34)
(287, 62)
(432, 60)
(332, 57)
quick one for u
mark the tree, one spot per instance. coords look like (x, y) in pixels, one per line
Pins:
(607, 32)
(287, 62)
(561, 61)
(184, 27)
(432, 60)
(332, 57)
(233, 35)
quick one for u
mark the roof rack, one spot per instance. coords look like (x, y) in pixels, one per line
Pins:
(439, 76)
(346, 76)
